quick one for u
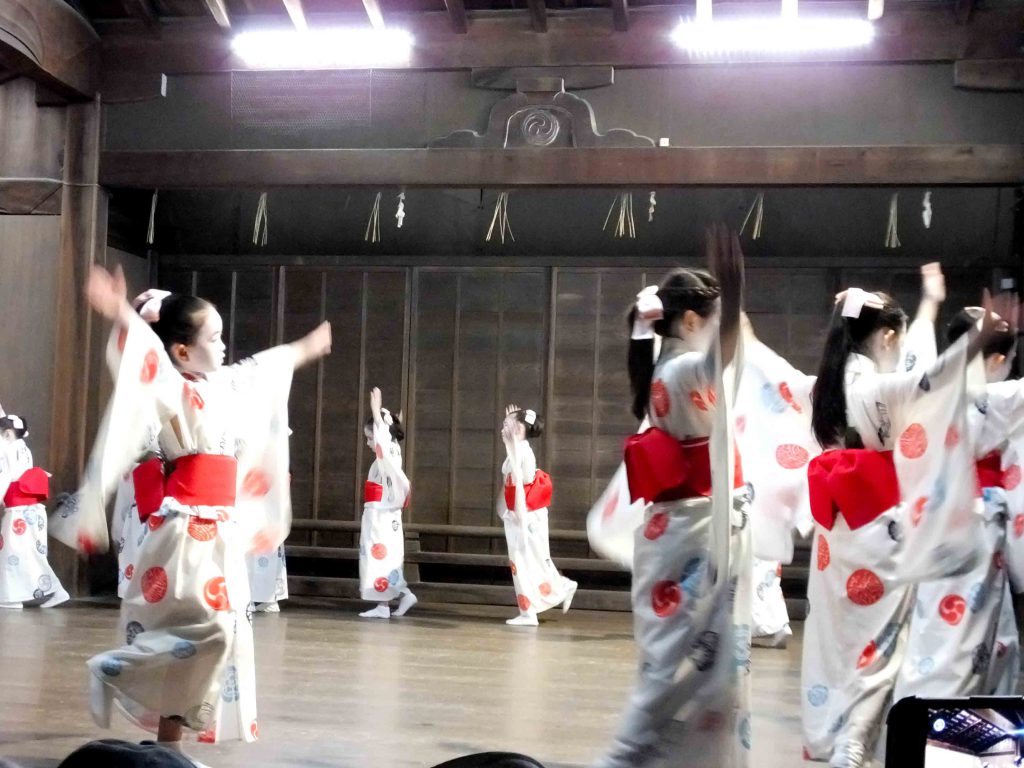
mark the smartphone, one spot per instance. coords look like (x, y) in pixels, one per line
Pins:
(974, 732)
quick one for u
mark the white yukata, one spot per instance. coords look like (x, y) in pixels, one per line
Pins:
(963, 639)
(381, 538)
(773, 433)
(268, 576)
(538, 584)
(185, 623)
(25, 572)
(691, 593)
(861, 580)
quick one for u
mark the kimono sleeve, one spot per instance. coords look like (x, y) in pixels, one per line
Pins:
(690, 377)
(147, 393)
(260, 387)
(919, 348)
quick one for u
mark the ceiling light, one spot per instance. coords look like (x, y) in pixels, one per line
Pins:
(328, 48)
(771, 35)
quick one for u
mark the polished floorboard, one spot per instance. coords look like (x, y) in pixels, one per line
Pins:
(336, 690)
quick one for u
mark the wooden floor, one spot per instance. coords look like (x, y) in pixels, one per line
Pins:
(336, 690)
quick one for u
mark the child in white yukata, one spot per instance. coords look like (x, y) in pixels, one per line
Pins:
(963, 637)
(691, 557)
(539, 586)
(187, 655)
(25, 573)
(381, 537)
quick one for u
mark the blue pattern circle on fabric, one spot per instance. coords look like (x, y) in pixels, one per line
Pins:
(817, 695)
(744, 731)
(741, 645)
(976, 597)
(263, 562)
(13, 560)
(111, 667)
(132, 630)
(230, 690)
(926, 665)
(45, 582)
(41, 548)
(183, 649)
(772, 399)
(38, 594)
(394, 577)
(692, 576)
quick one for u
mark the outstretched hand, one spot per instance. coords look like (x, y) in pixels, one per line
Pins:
(933, 283)
(107, 293)
(376, 403)
(510, 409)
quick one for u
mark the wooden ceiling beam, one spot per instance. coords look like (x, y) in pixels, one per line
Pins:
(989, 75)
(907, 34)
(538, 15)
(219, 10)
(896, 165)
(457, 14)
(142, 10)
(297, 13)
(620, 15)
(52, 44)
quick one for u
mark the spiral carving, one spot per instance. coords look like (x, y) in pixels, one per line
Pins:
(540, 127)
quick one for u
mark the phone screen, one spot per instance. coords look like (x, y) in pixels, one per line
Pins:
(976, 732)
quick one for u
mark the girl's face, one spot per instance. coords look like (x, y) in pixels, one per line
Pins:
(8, 436)
(206, 354)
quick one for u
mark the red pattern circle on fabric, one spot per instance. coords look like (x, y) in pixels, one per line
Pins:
(952, 609)
(1018, 526)
(378, 451)
(544, 589)
(1011, 477)
(512, 566)
(155, 521)
(381, 584)
(193, 397)
(154, 584)
(666, 597)
(150, 365)
(215, 592)
(255, 484)
(698, 401)
(952, 436)
(254, 729)
(656, 526)
(86, 545)
(824, 553)
(741, 424)
(787, 395)
(661, 403)
(867, 655)
(129, 571)
(710, 396)
(202, 530)
(379, 551)
(122, 339)
(19, 526)
(791, 456)
(711, 721)
(524, 602)
(914, 441)
(610, 506)
(864, 587)
(917, 512)
(209, 736)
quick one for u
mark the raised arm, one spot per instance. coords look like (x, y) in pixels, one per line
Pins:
(387, 452)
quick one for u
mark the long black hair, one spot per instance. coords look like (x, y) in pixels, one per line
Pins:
(1000, 344)
(681, 290)
(181, 317)
(845, 336)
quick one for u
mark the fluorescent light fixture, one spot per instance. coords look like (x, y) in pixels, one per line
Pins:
(771, 35)
(939, 725)
(325, 48)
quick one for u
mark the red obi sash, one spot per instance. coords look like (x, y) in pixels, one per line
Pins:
(859, 484)
(661, 468)
(33, 487)
(990, 471)
(199, 480)
(538, 493)
(372, 492)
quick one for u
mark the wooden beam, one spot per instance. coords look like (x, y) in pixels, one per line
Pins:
(990, 75)
(706, 166)
(144, 11)
(374, 13)
(296, 13)
(31, 196)
(620, 15)
(538, 15)
(906, 34)
(52, 44)
(457, 14)
(963, 10)
(219, 11)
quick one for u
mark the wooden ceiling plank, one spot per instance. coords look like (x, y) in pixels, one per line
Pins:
(297, 13)
(457, 14)
(620, 15)
(989, 74)
(374, 12)
(142, 10)
(538, 15)
(219, 10)
(895, 165)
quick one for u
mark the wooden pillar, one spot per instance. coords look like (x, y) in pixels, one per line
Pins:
(83, 235)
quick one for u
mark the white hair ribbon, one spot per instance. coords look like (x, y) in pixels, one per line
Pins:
(16, 421)
(386, 415)
(530, 417)
(855, 300)
(149, 302)
(648, 303)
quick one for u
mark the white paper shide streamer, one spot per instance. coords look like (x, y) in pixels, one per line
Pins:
(400, 213)
(892, 238)
(151, 231)
(624, 226)
(373, 225)
(260, 227)
(500, 219)
(757, 211)
(926, 210)
(651, 203)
